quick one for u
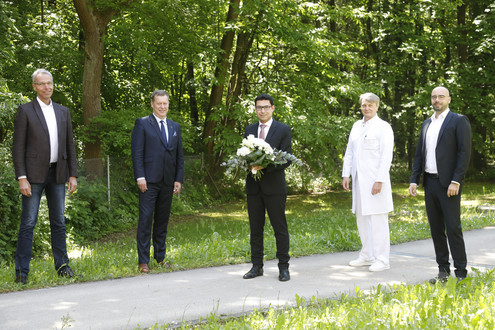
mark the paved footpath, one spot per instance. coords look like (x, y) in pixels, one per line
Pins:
(171, 298)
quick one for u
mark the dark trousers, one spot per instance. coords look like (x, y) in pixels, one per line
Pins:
(154, 212)
(275, 207)
(55, 198)
(444, 217)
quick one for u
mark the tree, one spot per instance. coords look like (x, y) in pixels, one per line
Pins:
(94, 16)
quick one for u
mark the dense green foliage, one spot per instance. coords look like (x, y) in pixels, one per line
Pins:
(320, 223)
(214, 57)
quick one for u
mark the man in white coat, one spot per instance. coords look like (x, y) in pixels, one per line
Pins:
(367, 159)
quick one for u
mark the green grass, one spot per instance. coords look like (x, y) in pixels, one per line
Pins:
(469, 304)
(220, 236)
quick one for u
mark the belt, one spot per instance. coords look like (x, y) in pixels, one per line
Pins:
(432, 175)
(53, 165)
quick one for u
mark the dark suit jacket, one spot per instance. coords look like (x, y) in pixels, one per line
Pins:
(272, 181)
(453, 150)
(151, 158)
(31, 145)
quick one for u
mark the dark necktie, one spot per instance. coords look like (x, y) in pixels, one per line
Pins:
(262, 131)
(164, 133)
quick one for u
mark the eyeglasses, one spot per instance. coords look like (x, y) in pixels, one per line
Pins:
(263, 107)
(48, 83)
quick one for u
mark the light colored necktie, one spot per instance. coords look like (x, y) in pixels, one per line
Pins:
(262, 131)
(164, 132)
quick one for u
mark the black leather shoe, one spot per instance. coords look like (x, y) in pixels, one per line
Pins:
(284, 275)
(21, 279)
(66, 271)
(442, 277)
(255, 271)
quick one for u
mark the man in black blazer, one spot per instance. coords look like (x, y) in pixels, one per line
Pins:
(442, 157)
(44, 158)
(270, 192)
(158, 161)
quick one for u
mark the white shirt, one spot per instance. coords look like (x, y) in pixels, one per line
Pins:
(431, 141)
(267, 127)
(51, 122)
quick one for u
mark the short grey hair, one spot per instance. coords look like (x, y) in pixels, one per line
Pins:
(159, 92)
(370, 97)
(37, 72)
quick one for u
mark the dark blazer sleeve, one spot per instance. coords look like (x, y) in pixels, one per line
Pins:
(453, 151)
(419, 156)
(137, 149)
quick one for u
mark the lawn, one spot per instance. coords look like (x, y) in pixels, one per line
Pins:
(220, 235)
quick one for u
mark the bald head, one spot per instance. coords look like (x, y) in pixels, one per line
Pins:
(440, 99)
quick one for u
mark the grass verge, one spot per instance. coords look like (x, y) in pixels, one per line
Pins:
(220, 236)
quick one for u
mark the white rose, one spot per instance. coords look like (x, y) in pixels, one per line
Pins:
(243, 151)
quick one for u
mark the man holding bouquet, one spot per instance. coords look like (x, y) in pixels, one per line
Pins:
(269, 192)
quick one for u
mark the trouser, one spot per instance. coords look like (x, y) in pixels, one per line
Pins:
(444, 217)
(275, 207)
(55, 197)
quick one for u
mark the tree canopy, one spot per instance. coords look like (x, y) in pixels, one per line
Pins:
(314, 57)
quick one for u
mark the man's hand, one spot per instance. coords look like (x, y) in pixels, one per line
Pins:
(377, 188)
(177, 187)
(72, 184)
(142, 185)
(413, 189)
(25, 187)
(453, 189)
(345, 183)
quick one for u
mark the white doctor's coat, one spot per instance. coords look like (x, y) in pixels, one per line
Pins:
(368, 158)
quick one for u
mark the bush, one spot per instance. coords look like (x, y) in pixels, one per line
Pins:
(10, 212)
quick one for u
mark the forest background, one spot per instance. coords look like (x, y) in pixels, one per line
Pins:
(213, 57)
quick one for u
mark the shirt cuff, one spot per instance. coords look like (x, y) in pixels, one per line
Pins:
(455, 182)
(22, 177)
(413, 184)
(142, 178)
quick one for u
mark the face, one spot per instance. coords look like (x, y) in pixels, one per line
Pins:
(369, 109)
(264, 110)
(43, 85)
(160, 106)
(440, 99)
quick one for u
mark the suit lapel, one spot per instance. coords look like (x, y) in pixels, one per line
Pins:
(444, 124)
(423, 137)
(171, 132)
(271, 131)
(156, 128)
(41, 117)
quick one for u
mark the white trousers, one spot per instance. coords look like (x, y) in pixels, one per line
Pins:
(373, 232)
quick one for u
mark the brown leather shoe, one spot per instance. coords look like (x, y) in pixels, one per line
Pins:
(143, 268)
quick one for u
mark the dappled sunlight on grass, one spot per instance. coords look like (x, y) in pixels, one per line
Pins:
(219, 235)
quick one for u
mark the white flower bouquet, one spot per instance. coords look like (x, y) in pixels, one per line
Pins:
(255, 151)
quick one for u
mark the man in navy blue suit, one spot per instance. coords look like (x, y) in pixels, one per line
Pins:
(158, 161)
(269, 193)
(442, 157)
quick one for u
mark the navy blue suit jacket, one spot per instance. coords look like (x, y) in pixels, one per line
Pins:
(152, 158)
(453, 150)
(272, 181)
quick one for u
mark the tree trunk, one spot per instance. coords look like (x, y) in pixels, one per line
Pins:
(217, 89)
(191, 89)
(94, 23)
